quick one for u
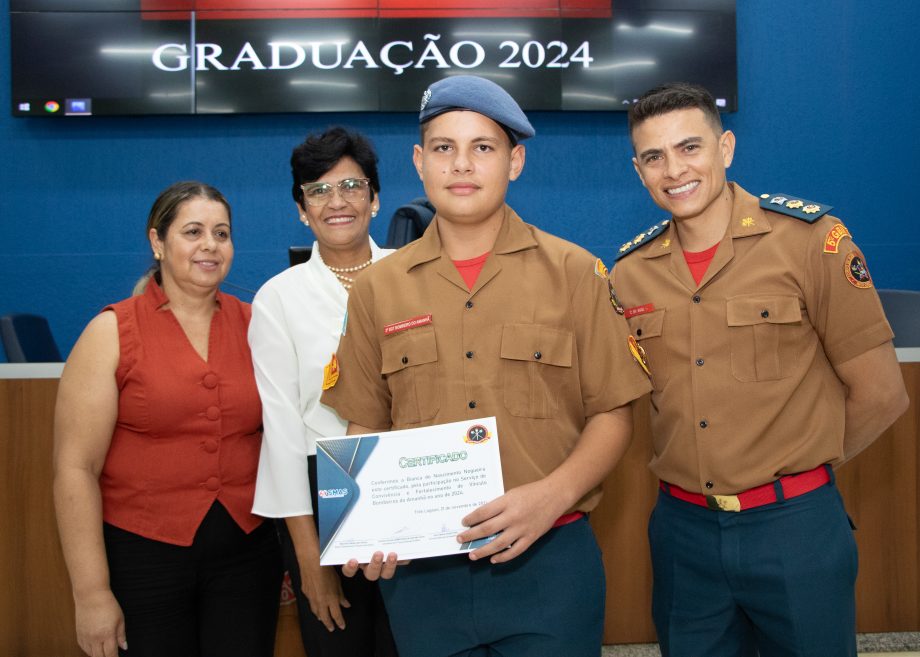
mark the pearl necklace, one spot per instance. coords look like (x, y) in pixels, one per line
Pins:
(340, 272)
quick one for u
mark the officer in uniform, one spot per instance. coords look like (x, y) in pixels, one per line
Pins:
(771, 361)
(486, 315)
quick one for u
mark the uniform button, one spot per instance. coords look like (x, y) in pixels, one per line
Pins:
(703, 424)
(697, 298)
(469, 354)
(210, 446)
(764, 313)
(638, 332)
(469, 304)
(405, 359)
(699, 362)
(538, 355)
(472, 404)
(210, 380)
(213, 483)
(213, 413)
(709, 484)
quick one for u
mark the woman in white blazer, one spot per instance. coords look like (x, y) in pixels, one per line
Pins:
(297, 319)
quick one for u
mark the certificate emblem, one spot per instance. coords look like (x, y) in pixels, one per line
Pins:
(477, 434)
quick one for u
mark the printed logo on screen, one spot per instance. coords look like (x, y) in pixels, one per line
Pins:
(477, 434)
(332, 493)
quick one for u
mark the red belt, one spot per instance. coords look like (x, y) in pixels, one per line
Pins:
(792, 486)
(568, 518)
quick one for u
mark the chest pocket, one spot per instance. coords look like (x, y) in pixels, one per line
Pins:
(536, 364)
(410, 366)
(647, 329)
(764, 332)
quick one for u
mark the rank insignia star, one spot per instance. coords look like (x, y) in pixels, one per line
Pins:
(793, 205)
(811, 209)
(764, 196)
(625, 247)
(747, 222)
(666, 243)
(778, 200)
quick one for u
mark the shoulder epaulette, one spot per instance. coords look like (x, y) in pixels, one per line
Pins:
(794, 207)
(642, 238)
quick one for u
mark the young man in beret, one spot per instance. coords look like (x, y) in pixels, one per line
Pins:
(771, 362)
(507, 321)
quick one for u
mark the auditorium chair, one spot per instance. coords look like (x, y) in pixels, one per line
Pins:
(902, 307)
(409, 222)
(28, 339)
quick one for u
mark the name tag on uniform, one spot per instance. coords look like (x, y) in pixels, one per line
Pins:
(406, 324)
(639, 310)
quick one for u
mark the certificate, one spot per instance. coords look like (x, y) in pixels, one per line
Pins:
(405, 491)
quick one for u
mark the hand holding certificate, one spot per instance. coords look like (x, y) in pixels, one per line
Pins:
(405, 491)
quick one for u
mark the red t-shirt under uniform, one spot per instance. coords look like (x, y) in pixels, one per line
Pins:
(188, 430)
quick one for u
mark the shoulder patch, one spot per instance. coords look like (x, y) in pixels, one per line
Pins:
(807, 211)
(643, 238)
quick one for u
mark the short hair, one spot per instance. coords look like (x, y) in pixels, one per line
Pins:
(164, 211)
(321, 151)
(672, 97)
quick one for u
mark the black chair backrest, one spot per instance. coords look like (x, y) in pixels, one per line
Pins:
(28, 339)
(902, 307)
(409, 222)
(299, 254)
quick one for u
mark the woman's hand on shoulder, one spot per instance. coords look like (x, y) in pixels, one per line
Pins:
(100, 625)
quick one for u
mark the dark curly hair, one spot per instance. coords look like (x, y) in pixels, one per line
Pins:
(319, 152)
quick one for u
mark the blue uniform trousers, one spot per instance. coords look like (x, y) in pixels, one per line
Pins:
(778, 580)
(548, 602)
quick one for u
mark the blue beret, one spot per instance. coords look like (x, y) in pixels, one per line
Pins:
(468, 92)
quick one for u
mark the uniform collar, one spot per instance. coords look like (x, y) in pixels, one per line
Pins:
(514, 235)
(747, 219)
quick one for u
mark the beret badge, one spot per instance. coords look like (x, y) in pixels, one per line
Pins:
(425, 98)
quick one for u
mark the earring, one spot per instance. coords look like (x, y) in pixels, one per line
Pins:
(157, 256)
(304, 220)
(373, 213)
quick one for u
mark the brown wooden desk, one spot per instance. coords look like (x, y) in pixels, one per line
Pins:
(880, 487)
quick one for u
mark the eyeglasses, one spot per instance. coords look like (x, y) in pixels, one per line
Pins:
(319, 194)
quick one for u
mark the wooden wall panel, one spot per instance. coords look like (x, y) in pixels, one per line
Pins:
(36, 605)
(881, 489)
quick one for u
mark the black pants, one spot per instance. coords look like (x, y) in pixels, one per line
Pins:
(218, 597)
(367, 626)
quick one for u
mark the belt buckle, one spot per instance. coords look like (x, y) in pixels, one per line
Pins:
(723, 502)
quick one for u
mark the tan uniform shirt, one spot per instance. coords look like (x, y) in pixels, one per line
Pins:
(743, 363)
(536, 343)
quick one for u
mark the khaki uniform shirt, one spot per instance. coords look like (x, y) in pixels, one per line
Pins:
(535, 343)
(743, 364)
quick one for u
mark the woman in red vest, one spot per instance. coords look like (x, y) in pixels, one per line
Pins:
(157, 437)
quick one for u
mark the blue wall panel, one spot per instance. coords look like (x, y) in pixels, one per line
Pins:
(828, 96)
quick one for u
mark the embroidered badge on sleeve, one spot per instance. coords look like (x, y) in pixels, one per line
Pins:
(331, 373)
(834, 236)
(856, 272)
(600, 269)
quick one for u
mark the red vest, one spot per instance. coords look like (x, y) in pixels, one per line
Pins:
(188, 431)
